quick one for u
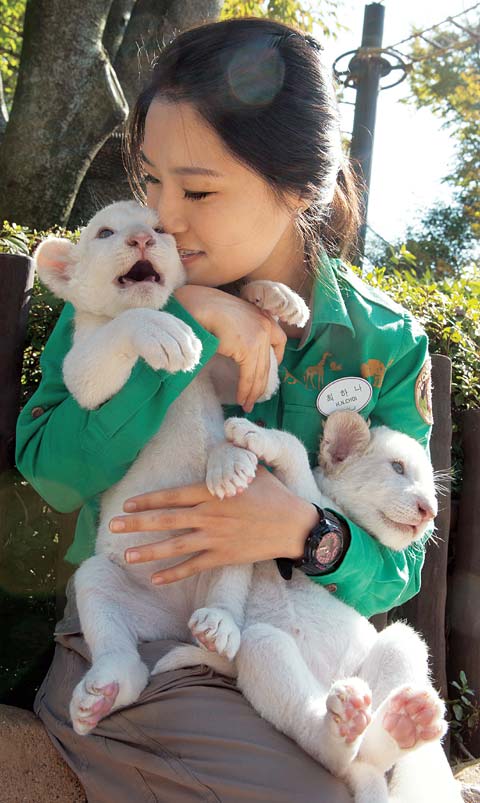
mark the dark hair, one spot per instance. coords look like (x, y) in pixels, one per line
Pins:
(262, 87)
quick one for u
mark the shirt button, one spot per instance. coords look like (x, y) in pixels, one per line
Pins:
(37, 412)
(331, 587)
(260, 422)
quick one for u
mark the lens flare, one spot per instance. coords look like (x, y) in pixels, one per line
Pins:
(255, 74)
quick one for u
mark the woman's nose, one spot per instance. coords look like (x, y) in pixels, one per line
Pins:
(171, 215)
(172, 223)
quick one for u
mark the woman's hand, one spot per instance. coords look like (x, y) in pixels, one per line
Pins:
(265, 521)
(245, 334)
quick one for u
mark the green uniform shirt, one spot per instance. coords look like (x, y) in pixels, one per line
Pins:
(71, 455)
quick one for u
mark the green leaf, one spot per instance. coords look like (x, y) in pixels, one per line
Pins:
(458, 711)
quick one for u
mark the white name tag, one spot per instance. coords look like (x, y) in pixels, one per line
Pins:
(348, 393)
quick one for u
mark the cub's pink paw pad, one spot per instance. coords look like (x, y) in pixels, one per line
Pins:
(349, 705)
(414, 716)
(89, 707)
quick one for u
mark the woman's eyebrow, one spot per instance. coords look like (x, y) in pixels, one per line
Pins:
(188, 171)
(196, 171)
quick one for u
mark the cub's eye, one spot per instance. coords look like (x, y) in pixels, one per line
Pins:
(398, 467)
(105, 233)
(159, 230)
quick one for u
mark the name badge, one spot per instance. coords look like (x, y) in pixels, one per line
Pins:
(348, 393)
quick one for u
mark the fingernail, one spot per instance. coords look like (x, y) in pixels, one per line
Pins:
(157, 580)
(132, 555)
(117, 524)
(129, 506)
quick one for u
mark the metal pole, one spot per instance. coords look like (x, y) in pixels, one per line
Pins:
(366, 68)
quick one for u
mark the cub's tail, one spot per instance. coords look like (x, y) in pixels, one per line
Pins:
(189, 655)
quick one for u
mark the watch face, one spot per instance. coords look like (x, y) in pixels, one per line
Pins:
(329, 549)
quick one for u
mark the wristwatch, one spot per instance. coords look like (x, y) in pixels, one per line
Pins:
(324, 549)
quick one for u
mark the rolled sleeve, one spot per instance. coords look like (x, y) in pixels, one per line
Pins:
(70, 454)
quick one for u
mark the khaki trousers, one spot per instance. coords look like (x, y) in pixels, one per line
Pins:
(190, 737)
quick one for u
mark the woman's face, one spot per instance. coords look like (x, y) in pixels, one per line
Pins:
(225, 220)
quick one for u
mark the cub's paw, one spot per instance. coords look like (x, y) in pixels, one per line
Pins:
(216, 630)
(277, 299)
(165, 342)
(413, 717)
(230, 470)
(244, 433)
(349, 707)
(112, 682)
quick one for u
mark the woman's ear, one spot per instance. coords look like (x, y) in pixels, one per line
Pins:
(54, 264)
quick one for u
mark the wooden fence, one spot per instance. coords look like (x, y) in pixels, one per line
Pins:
(446, 611)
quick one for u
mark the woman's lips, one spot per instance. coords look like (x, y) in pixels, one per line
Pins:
(187, 256)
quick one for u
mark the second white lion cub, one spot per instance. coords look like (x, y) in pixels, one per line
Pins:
(118, 277)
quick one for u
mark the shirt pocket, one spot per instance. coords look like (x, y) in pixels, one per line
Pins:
(304, 421)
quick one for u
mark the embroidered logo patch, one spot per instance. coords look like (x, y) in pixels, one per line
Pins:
(423, 392)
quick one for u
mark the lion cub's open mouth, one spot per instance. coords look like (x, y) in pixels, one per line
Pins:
(141, 271)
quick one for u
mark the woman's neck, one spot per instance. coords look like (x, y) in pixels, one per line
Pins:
(286, 264)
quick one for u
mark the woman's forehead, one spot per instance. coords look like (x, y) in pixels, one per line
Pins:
(176, 138)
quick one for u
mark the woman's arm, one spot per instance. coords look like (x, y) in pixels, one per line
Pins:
(268, 521)
(373, 578)
(70, 454)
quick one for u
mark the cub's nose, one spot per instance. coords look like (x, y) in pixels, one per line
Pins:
(425, 510)
(141, 239)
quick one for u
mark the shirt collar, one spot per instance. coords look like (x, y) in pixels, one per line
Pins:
(327, 305)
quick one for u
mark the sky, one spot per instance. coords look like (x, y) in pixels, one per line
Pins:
(412, 152)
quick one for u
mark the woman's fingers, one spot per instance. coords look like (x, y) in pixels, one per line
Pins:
(199, 563)
(260, 377)
(169, 548)
(188, 496)
(278, 341)
(156, 520)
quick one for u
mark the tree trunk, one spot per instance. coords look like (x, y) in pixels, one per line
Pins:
(3, 111)
(117, 21)
(67, 102)
(151, 23)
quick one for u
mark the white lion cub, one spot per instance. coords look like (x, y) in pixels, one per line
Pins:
(117, 277)
(356, 700)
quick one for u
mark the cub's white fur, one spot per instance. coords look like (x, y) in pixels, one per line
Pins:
(314, 667)
(122, 270)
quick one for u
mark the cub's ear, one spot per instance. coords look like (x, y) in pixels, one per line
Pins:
(54, 263)
(345, 435)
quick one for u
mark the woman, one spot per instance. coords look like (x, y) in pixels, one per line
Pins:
(237, 140)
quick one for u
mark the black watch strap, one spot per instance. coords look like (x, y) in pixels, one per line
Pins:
(327, 523)
(285, 567)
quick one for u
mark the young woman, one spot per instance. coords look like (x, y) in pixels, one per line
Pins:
(237, 142)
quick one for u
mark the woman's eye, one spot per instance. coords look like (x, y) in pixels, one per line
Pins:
(398, 467)
(149, 179)
(103, 233)
(196, 196)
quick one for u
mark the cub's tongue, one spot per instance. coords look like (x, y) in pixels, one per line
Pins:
(141, 271)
